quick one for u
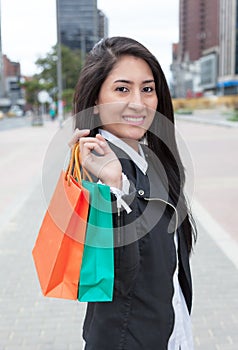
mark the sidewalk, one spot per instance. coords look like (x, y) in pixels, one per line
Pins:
(29, 321)
(215, 304)
(208, 116)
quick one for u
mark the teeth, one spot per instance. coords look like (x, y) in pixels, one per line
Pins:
(134, 119)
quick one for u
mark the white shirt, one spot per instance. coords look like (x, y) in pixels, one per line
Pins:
(181, 337)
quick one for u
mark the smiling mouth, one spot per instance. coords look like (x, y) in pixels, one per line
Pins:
(134, 119)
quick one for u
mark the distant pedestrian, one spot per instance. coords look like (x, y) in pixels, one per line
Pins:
(127, 141)
(52, 111)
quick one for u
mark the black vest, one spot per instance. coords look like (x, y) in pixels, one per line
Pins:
(141, 316)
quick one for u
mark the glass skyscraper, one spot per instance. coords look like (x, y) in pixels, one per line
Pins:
(78, 21)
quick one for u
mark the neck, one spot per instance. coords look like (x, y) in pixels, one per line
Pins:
(133, 143)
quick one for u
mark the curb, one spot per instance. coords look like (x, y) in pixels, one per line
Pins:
(223, 239)
(194, 119)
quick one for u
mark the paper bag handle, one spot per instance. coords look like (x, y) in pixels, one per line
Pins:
(74, 167)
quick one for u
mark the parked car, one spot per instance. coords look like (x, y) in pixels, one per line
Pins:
(15, 111)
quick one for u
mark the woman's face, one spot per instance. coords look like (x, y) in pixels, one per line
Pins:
(127, 100)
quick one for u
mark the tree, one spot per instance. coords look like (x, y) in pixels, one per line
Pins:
(47, 77)
(32, 87)
(71, 66)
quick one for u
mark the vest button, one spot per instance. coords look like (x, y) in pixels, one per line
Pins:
(141, 192)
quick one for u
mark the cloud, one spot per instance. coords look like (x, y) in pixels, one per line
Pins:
(28, 30)
(29, 27)
(152, 22)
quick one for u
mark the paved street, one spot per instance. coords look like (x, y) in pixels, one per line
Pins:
(29, 321)
(215, 165)
(215, 259)
(14, 122)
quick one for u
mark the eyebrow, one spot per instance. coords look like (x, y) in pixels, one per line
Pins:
(130, 82)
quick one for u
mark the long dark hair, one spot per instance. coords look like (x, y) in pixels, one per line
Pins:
(161, 135)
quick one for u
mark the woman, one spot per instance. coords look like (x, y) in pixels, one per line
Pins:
(127, 141)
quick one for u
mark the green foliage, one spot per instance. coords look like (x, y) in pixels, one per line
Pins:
(32, 87)
(71, 66)
(183, 111)
(68, 98)
(46, 79)
(234, 116)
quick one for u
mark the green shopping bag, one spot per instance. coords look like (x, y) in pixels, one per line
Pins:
(97, 269)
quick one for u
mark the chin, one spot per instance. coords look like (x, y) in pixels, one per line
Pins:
(136, 135)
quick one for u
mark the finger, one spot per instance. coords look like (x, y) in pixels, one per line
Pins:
(89, 139)
(94, 147)
(89, 159)
(100, 138)
(89, 145)
(104, 144)
(77, 135)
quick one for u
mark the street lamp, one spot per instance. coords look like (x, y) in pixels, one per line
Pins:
(59, 68)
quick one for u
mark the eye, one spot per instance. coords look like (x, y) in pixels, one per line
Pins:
(122, 89)
(148, 89)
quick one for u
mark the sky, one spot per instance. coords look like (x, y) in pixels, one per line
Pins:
(29, 27)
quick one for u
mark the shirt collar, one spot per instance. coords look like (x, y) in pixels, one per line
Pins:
(138, 158)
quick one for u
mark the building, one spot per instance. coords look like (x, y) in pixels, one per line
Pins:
(81, 24)
(228, 61)
(10, 90)
(102, 25)
(2, 92)
(13, 93)
(198, 27)
(195, 67)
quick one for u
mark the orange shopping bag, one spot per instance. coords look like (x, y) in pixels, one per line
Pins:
(59, 246)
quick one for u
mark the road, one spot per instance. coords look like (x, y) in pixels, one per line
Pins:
(214, 167)
(8, 123)
(214, 156)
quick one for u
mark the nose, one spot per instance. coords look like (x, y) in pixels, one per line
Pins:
(136, 101)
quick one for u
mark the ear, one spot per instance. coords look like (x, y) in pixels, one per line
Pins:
(95, 109)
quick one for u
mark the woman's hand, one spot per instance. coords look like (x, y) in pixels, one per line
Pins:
(77, 135)
(104, 164)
